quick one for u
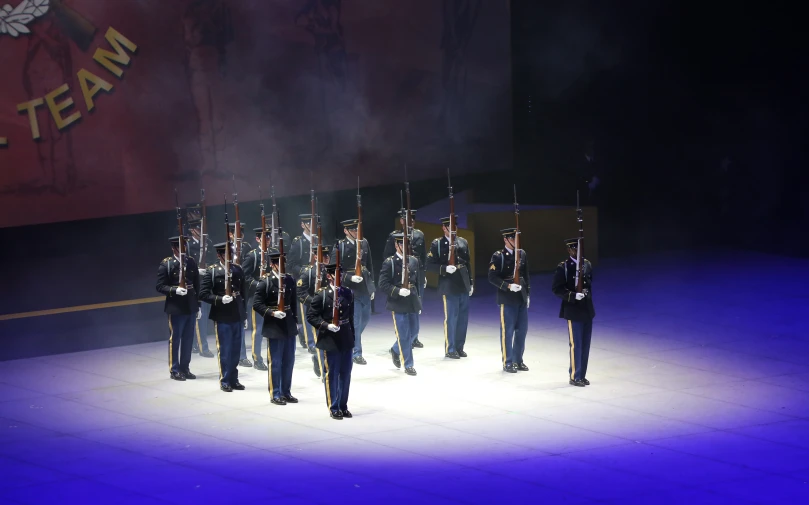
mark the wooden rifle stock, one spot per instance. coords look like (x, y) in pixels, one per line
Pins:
(453, 232)
(335, 310)
(263, 268)
(228, 259)
(358, 262)
(203, 237)
(579, 264)
(181, 241)
(517, 240)
(312, 228)
(282, 272)
(237, 230)
(319, 257)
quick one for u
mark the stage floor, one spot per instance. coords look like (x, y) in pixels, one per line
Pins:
(700, 394)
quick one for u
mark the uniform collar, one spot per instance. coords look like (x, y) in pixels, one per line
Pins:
(307, 236)
(510, 250)
(573, 260)
(399, 255)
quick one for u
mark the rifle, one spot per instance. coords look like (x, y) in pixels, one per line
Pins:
(203, 237)
(335, 310)
(453, 232)
(282, 272)
(181, 239)
(358, 262)
(237, 231)
(263, 268)
(579, 265)
(312, 227)
(319, 256)
(516, 239)
(275, 223)
(228, 259)
(408, 216)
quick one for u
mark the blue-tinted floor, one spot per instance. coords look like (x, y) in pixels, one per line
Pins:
(700, 394)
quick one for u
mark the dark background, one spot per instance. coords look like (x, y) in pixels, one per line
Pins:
(693, 114)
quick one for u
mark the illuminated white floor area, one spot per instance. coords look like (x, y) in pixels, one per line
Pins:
(700, 394)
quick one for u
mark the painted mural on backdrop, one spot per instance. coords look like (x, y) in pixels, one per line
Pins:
(106, 107)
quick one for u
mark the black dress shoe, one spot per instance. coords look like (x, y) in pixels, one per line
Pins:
(206, 354)
(462, 354)
(521, 367)
(577, 383)
(302, 340)
(410, 370)
(347, 414)
(278, 401)
(226, 388)
(238, 386)
(417, 344)
(316, 366)
(452, 355)
(586, 382)
(289, 399)
(336, 414)
(189, 376)
(246, 362)
(509, 369)
(360, 360)
(177, 375)
(194, 350)
(396, 361)
(259, 365)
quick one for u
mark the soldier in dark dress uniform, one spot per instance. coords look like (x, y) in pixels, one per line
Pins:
(578, 309)
(246, 248)
(306, 291)
(455, 284)
(251, 266)
(227, 313)
(418, 248)
(280, 328)
(403, 303)
(299, 256)
(182, 305)
(513, 298)
(195, 251)
(336, 342)
(362, 286)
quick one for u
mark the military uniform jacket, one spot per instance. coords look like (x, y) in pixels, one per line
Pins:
(266, 301)
(306, 284)
(390, 281)
(298, 255)
(213, 289)
(348, 258)
(168, 279)
(319, 315)
(417, 245)
(251, 266)
(501, 274)
(194, 252)
(564, 286)
(438, 259)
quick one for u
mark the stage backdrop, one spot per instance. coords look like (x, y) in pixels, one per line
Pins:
(106, 107)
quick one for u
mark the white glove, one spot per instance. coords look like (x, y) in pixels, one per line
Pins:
(201, 271)
(227, 299)
(514, 287)
(419, 312)
(199, 314)
(471, 290)
(372, 296)
(334, 328)
(404, 292)
(425, 285)
(245, 324)
(278, 314)
(181, 291)
(528, 302)
(451, 269)
(579, 296)
(356, 279)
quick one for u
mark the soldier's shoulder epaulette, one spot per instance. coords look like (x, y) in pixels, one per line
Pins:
(436, 240)
(167, 258)
(295, 239)
(561, 264)
(498, 253)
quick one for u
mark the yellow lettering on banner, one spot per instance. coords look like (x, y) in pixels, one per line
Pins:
(57, 108)
(30, 107)
(98, 83)
(106, 58)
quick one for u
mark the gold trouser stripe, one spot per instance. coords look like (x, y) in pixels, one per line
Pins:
(218, 352)
(199, 338)
(269, 369)
(305, 336)
(398, 341)
(171, 345)
(80, 308)
(503, 333)
(446, 335)
(253, 336)
(572, 351)
(326, 377)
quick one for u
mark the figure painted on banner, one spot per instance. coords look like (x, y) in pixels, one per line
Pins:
(279, 328)
(307, 282)
(418, 249)
(455, 285)
(361, 283)
(182, 306)
(227, 313)
(513, 297)
(403, 302)
(335, 340)
(578, 309)
(195, 251)
(460, 17)
(207, 30)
